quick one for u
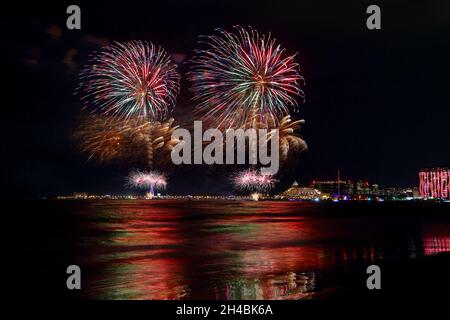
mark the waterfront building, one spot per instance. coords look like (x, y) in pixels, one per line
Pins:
(295, 192)
(434, 183)
(334, 188)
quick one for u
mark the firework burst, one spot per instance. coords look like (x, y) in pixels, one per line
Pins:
(152, 180)
(252, 180)
(106, 139)
(290, 143)
(243, 76)
(134, 79)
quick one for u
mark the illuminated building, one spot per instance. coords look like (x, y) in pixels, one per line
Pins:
(80, 195)
(375, 189)
(300, 193)
(334, 188)
(363, 188)
(434, 183)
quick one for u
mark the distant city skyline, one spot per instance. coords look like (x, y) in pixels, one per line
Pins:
(356, 190)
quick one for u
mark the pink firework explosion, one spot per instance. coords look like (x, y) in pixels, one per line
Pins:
(131, 79)
(241, 75)
(143, 180)
(253, 180)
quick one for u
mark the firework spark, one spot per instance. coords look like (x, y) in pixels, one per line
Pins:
(243, 76)
(253, 180)
(152, 180)
(289, 143)
(134, 79)
(107, 138)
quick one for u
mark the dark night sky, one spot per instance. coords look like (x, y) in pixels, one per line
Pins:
(378, 102)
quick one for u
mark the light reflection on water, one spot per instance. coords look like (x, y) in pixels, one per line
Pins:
(235, 250)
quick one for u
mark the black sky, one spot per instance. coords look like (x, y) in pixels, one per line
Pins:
(377, 102)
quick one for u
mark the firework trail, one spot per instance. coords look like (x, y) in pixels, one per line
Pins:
(289, 143)
(243, 76)
(128, 80)
(152, 180)
(107, 138)
(252, 180)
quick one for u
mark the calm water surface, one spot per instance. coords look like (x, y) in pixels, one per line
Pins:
(165, 249)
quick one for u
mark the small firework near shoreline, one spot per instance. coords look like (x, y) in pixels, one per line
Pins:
(150, 180)
(253, 181)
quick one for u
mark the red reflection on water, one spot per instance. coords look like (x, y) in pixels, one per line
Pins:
(166, 252)
(221, 250)
(435, 245)
(435, 239)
